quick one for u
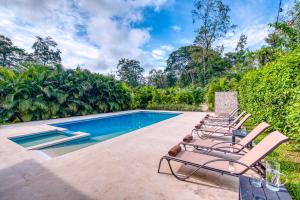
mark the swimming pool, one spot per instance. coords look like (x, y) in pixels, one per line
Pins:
(39, 138)
(104, 128)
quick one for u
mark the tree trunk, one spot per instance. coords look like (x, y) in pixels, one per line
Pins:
(4, 59)
(205, 61)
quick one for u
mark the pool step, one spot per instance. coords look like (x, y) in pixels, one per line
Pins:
(76, 136)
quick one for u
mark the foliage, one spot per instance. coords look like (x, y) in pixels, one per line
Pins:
(157, 78)
(271, 93)
(45, 51)
(214, 22)
(241, 52)
(40, 92)
(171, 106)
(14, 57)
(241, 60)
(184, 66)
(286, 34)
(150, 97)
(10, 55)
(293, 117)
(130, 71)
(228, 82)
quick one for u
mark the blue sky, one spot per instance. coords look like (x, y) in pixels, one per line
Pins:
(95, 34)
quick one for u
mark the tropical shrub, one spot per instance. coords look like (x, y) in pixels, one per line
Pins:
(271, 93)
(40, 92)
(171, 106)
(293, 117)
(151, 97)
(142, 96)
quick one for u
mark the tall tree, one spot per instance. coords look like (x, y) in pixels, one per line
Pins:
(240, 49)
(45, 51)
(157, 78)
(130, 71)
(286, 34)
(178, 60)
(184, 66)
(213, 21)
(237, 58)
(10, 55)
(181, 65)
(241, 44)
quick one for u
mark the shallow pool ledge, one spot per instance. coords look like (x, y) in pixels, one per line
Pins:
(77, 135)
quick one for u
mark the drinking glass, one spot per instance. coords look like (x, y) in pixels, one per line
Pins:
(273, 176)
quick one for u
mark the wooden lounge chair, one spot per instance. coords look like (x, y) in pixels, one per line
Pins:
(240, 148)
(249, 161)
(223, 123)
(206, 131)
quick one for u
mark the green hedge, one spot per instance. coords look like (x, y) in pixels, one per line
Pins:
(151, 97)
(40, 92)
(271, 94)
(170, 106)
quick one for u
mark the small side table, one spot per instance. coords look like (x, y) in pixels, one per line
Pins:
(249, 192)
(238, 133)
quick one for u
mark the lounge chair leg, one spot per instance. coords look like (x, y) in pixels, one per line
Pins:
(178, 177)
(158, 171)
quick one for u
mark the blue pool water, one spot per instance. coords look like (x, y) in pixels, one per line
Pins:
(36, 139)
(101, 129)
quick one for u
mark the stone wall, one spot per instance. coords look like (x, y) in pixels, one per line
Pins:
(225, 101)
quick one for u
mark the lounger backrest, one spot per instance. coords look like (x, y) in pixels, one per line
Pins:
(261, 150)
(238, 117)
(242, 121)
(232, 113)
(254, 133)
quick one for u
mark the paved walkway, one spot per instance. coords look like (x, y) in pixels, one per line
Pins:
(124, 167)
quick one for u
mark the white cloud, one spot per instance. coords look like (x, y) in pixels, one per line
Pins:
(107, 34)
(57, 24)
(161, 53)
(176, 28)
(185, 41)
(256, 35)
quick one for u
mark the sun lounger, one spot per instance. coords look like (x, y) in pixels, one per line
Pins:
(241, 147)
(222, 117)
(223, 123)
(205, 132)
(249, 161)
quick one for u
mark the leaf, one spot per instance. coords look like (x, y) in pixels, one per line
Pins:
(25, 105)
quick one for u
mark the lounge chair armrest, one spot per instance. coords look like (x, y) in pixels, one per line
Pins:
(213, 130)
(225, 143)
(217, 125)
(217, 128)
(235, 150)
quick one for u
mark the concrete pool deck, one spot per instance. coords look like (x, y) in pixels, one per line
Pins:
(124, 167)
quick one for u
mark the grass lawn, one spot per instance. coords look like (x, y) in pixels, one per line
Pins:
(289, 159)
